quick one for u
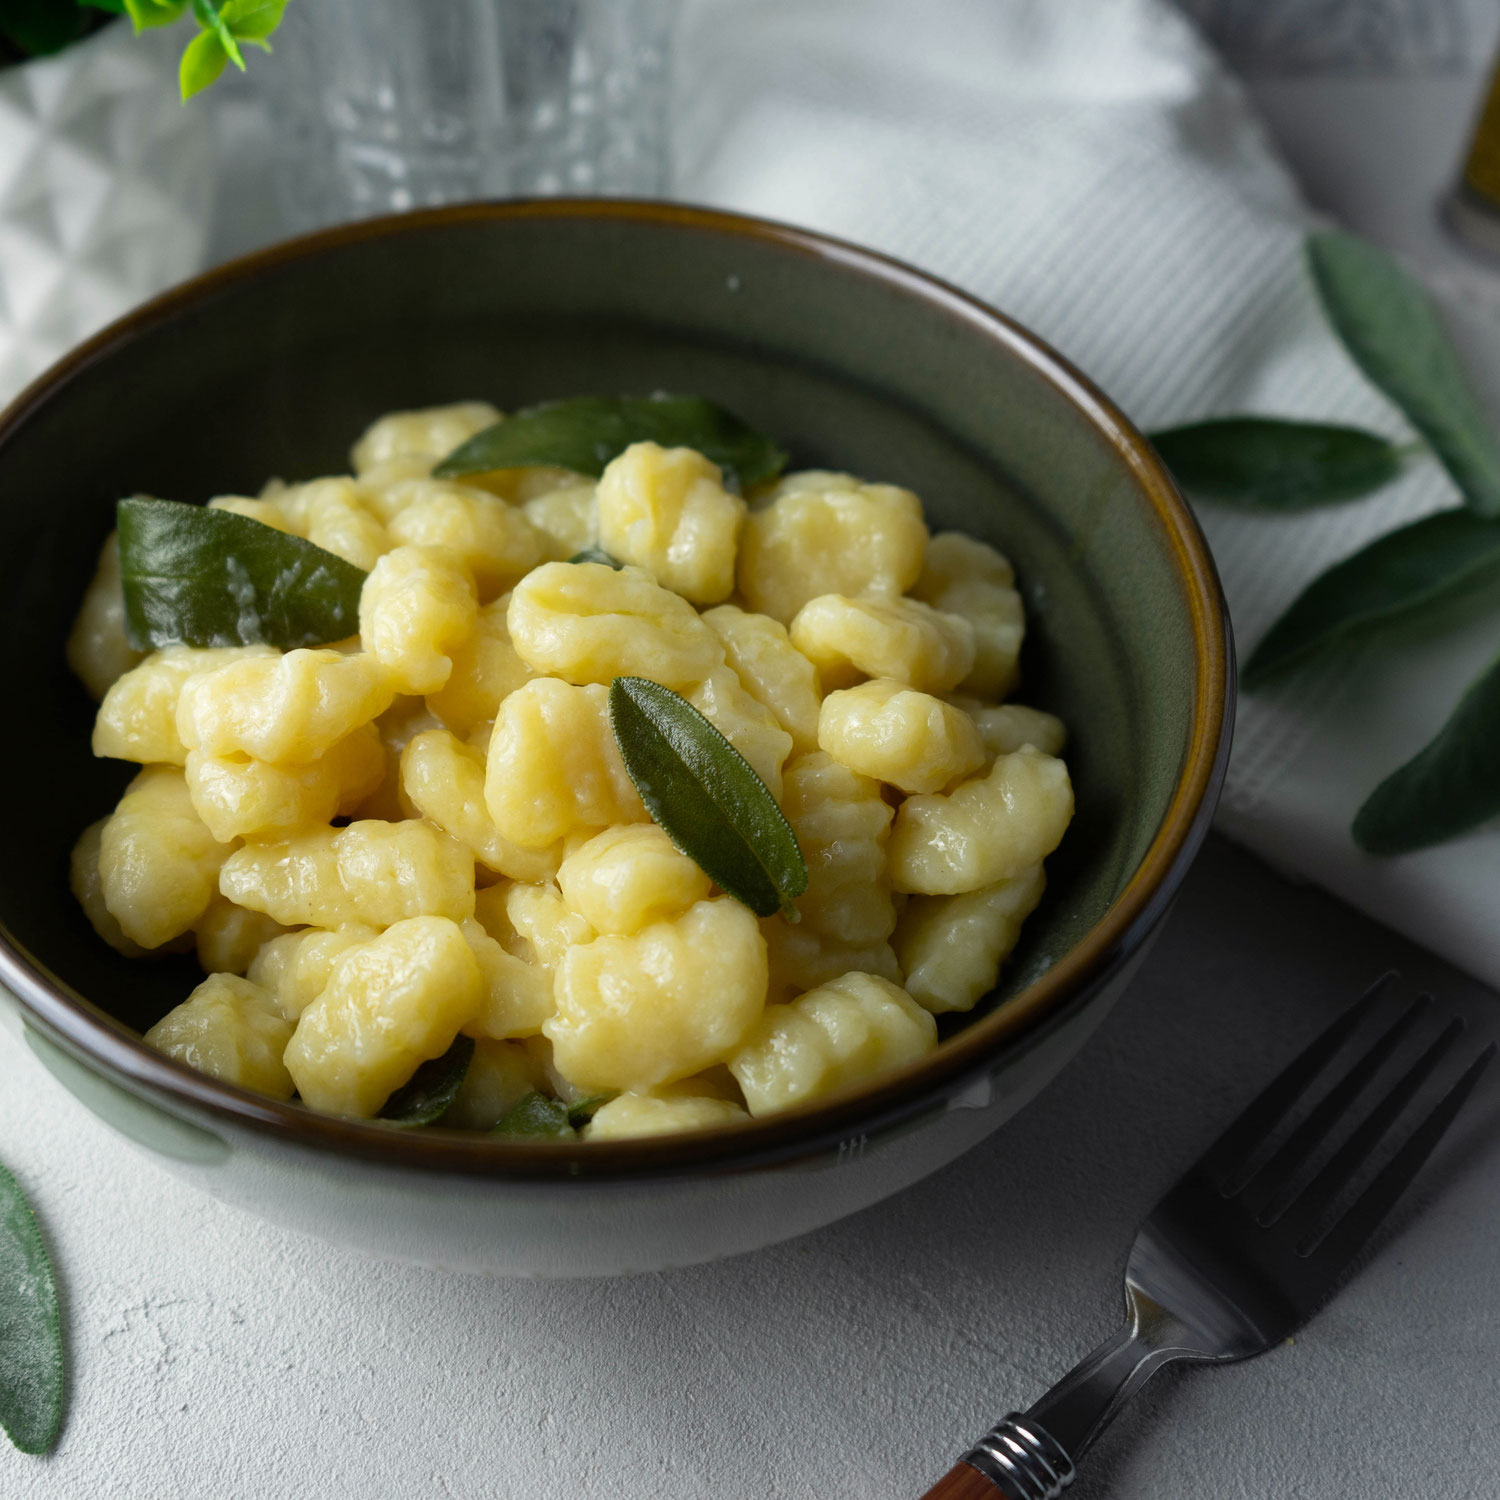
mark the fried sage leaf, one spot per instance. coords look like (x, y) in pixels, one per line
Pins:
(199, 577)
(585, 432)
(31, 1351)
(1387, 322)
(597, 555)
(1399, 571)
(1265, 463)
(426, 1095)
(1447, 787)
(537, 1115)
(706, 796)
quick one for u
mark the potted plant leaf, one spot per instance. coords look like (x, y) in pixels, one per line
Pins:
(106, 182)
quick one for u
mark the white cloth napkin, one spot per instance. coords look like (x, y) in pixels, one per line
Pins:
(1089, 167)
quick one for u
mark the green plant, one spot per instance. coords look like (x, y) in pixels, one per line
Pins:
(1386, 321)
(38, 28)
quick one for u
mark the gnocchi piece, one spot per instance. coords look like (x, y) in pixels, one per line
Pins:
(801, 959)
(749, 726)
(228, 937)
(158, 863)
(771, 669)
(951, 947)
(553, 767)
(432, 433)
(626, 878)
(138, 718)
(443, 779)
(842, 823)
(566, 518)
(295, 968)
(495, 541)
(989, 828)
(590, 623)
(240, 797)
(516, 996)
(88, 891)
(500, 1075)
(846, 1032)
(832, 539)
(631, 1115)
(633, 1012)
(292, 708)
(398, 726)
(900, 638)
(1005, 727)
(532, 921)
(486, 670)
(666, 511)
(370, 872)
(390, 1005)
(230, 1029)
(98, 650)
(331, 515)
(418, 606)
(964, 576)
(892, 732)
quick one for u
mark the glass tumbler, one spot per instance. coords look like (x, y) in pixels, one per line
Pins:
(382, 105)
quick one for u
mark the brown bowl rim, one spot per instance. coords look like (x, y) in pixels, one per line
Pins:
(845, 1119)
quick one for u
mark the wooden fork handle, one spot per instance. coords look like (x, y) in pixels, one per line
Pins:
(964, 1483)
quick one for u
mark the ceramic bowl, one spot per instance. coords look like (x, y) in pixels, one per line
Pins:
(272, 364)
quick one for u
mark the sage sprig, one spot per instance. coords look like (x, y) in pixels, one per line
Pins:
(707, 797)
(541, 1117)
(1397, 572)
(193, 576)
(425, 1097)
(1447, 787)
(1387, 322)
(1268, 463)
(31, 1349)
(585, 433)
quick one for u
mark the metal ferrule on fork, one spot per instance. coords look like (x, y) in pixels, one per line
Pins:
(1020, 1456)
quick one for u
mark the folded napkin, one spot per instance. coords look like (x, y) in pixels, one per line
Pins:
(1090, 168)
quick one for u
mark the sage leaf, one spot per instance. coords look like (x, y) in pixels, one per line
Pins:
(426, 1095)
(199, 577)
(597, 555)
(1405, 568)
(1387, 322)
(1266, 463)
(581, 1111)
(706, 796)
(585, 432)
(31, 1352)
(1447, 787)
(537, 1115)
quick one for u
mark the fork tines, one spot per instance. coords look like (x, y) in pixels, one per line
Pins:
(1247, 1160)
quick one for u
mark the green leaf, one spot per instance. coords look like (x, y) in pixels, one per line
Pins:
(586, 432)
(1268, 464)
(39, 28)
(144, 14)
(252, 20)
(1397, 572)
(597, 555)
(199, 577)
(537, 1115)
(1447, 787)
(31, 1352)
(426, 1095)
(1388, 323)
(706, 796)
(202, 62)
(581, 1111)
(207, 14)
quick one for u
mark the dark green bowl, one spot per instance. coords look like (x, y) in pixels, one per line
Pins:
(270, 366)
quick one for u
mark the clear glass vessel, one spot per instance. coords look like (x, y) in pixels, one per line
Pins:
(383, 105)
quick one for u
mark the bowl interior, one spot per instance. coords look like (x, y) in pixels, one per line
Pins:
(274, 369)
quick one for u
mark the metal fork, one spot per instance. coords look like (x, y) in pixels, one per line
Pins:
(1241, 1252)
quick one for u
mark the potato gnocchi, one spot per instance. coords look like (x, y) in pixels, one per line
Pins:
(427, 832)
